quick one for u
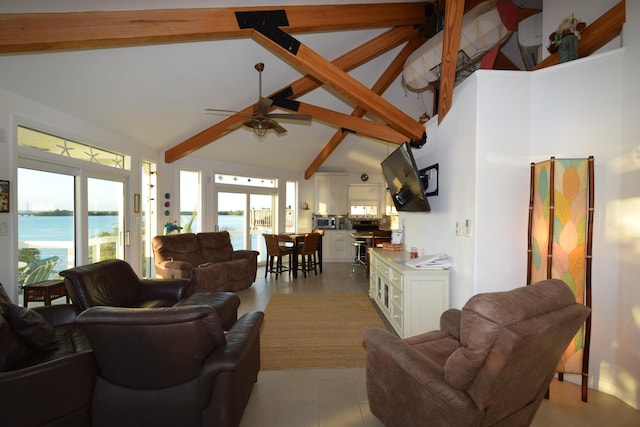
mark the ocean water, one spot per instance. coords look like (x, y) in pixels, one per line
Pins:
(61, 229)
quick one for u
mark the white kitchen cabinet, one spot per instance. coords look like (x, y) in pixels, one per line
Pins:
(336, 246)
(331, 194)
(412, 300)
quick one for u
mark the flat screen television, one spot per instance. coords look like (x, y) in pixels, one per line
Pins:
(403, 179)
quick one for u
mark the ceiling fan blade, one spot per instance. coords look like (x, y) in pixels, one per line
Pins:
(216, 111)
(263, 106)
(297, 117)
(276, 127)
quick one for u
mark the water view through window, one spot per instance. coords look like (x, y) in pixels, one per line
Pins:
(47, 221)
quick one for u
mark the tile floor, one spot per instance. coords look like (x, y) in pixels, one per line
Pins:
(338, 398)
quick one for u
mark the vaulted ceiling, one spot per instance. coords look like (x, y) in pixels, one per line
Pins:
(150, 74)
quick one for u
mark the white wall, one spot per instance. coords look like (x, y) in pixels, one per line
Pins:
(500, 123)
(624, 368)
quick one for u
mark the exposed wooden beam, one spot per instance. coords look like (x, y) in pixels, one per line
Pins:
(360, 126)
(596, 35)
(390, 74)
(36, 32)
(311, 62)
(352, 59)
(454, 10)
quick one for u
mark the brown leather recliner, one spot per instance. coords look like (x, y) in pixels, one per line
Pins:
(42, 384)
(114, 283)
(171, 366)
(490, 364)
(207, 259)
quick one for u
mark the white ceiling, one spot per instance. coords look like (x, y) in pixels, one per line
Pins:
(157, 94)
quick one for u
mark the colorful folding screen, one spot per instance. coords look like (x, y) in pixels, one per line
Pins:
(560, 234)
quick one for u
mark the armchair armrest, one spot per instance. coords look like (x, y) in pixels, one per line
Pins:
(243, 342)
(58, 314)
(173, 289)
(391, 361)
(175, 269)
(245, 253)
(73, 374)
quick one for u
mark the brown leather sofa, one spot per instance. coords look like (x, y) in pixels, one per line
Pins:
(114, 283)
(207, 259)
(47, 370)
(490, 363)
(187, 373)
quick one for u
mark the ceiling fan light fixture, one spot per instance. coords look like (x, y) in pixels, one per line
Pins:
(260, 127)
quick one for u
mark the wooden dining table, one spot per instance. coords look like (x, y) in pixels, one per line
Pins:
(298, 239)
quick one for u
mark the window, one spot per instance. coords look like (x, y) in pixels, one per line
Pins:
(189, 201)
(75, 150)
(148, 221)
(71, 210)
(291, 203)
(247, 181)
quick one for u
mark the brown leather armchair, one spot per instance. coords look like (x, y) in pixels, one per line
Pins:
(114, 283)
(46, 386)
(207, 259)
(171, 366)
(490, 364)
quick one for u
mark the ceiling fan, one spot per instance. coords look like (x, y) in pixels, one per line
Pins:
(261, 120)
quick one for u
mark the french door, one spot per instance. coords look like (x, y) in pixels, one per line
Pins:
(66, 214)
(105, 220)
(246, 216)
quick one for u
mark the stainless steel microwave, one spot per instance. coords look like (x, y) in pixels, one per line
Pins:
(325, 222)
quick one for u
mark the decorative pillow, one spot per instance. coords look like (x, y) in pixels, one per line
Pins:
(34, 330)
(12, 349)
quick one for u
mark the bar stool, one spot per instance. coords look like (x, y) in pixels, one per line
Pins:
(360, 256)
(276, 250)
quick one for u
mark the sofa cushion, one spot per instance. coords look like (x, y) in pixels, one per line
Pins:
(34, 330)
(12, 349)
(216, 246)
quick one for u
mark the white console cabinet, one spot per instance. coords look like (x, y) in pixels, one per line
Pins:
(412, 300)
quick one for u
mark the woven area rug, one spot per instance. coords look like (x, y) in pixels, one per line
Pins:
(316, 330)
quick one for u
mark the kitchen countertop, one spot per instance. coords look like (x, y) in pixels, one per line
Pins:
(361, 234)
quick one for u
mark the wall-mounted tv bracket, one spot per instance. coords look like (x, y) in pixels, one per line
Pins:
(429, 178)
(418, 143)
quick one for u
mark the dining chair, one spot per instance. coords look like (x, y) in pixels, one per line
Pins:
(276, 250)
(308, 260)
